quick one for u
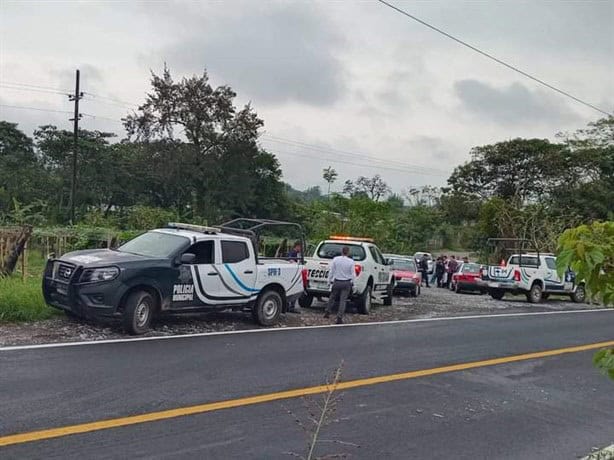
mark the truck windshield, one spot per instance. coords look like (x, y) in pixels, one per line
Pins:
(404, 264)
(155, 244)
(332, 250)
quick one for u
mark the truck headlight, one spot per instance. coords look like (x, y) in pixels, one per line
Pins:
(95, 275)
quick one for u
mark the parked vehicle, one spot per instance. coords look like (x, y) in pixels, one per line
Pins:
(467, 278)
(418, 257)
(407, 277)
(373, 273)
(180, 268)
(534, 275)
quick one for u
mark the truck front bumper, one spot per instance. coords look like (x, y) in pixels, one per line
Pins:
(93, 300)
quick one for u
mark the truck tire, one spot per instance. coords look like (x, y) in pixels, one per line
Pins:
(268, 307)
(535, 295)
(579, 296)
(305, 300)
(496, 294)
(389, 291)
(138, 312)
(364, 301)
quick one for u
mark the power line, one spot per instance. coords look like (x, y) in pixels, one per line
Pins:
(313, 147)
(497, 60)
(34, 108)
(113, 101)
(36, 90)
(27, 85)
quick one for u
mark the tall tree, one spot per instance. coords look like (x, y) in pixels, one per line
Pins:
(330, 176)
(374, 188)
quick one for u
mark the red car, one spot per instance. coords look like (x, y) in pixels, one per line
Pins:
(467, 278)
(407, 278)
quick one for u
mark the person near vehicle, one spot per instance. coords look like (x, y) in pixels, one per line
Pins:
(452, 267)
(295, 253)
(465, 260)
(341, 275)
(439, 270)
(424, 269)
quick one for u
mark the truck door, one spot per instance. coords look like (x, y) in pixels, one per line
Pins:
(381, 270)
(193, 281)
(237, 269)
(552, 280)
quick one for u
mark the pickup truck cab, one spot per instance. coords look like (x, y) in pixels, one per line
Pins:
(181, 268)
(534, 275)
(373, 273)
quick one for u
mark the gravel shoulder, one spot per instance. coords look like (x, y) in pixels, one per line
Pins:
(432, 303)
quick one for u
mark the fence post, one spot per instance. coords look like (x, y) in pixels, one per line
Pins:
(24, 256)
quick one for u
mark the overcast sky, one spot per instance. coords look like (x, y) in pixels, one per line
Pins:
(356, 81)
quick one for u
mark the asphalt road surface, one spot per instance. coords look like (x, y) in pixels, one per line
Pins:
(523, 406)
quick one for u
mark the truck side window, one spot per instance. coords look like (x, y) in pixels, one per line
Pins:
(376, 256)
(550, 263)
(203, 250)
(234, 252)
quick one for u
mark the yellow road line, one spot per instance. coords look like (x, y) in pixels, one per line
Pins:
(247, 401)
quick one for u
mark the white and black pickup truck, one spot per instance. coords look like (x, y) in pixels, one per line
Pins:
(374, 280)
(534, 275)
(178, 269)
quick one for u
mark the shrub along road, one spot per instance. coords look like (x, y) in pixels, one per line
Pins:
(552, 405)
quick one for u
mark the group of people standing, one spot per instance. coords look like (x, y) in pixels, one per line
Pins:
(444, 269)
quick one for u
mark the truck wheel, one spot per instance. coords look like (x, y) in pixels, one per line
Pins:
(580, 295)
(535, 295)
(364, 302)
(138, 312)
(305, 300)
(268, 308)
(496, 294)
(389, 291)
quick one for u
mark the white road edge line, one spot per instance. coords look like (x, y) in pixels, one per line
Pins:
(297, 328)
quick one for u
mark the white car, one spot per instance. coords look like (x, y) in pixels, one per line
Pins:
(373, 273)
(418, 256)
(534, 275)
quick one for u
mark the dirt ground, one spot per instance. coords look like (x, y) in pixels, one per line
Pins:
(431, 303)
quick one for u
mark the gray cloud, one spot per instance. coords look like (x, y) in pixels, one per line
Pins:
(281, 53)
(512, 104)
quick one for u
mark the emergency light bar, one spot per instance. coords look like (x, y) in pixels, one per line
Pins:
(351, 238)
(192, 227)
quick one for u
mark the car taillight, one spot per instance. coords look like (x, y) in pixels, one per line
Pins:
(358, 269)
(516, 275)
(305, 275)
(399, 277)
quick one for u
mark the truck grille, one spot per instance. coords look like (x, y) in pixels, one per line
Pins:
(63, 271)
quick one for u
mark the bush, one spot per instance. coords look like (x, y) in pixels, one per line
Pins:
(23, 300)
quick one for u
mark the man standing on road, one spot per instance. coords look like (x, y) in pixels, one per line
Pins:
(341, 276)
(424, 268)
(452, 267)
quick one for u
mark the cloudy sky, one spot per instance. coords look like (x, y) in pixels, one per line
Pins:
(350, 84)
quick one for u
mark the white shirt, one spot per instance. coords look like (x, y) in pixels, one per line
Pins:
(342, 269)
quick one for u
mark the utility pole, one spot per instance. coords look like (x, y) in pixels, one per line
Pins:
(73, 185)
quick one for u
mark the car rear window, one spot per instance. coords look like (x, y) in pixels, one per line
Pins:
(471, 268)
(332, 250)
(404, 264)
(529, 261)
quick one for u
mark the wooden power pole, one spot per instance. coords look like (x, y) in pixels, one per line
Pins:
(73, 184)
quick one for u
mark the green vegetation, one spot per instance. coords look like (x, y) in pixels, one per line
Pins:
(23, 300)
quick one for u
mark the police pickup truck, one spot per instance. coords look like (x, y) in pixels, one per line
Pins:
(534, 275)
(177, 269)
(374, 278)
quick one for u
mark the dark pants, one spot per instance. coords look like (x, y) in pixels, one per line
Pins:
(425, 277)
(339, 292)
(439, 279)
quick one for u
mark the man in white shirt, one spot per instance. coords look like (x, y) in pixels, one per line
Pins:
(341, 275)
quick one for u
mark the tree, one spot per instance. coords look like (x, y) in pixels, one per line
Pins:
(330, 176)
(227, 173)
(589, 251)
(519, 170)
(374, 188)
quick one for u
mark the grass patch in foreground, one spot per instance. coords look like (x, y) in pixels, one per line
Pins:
(23, 300)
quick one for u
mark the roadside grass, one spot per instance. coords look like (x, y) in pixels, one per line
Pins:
(22, 300)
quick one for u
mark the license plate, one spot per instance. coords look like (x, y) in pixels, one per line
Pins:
(493, 285)
(321, 285)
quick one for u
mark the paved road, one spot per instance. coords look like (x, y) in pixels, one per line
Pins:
(555, 407)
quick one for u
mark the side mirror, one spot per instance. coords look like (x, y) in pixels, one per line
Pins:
(388, 261)
(187, 258)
